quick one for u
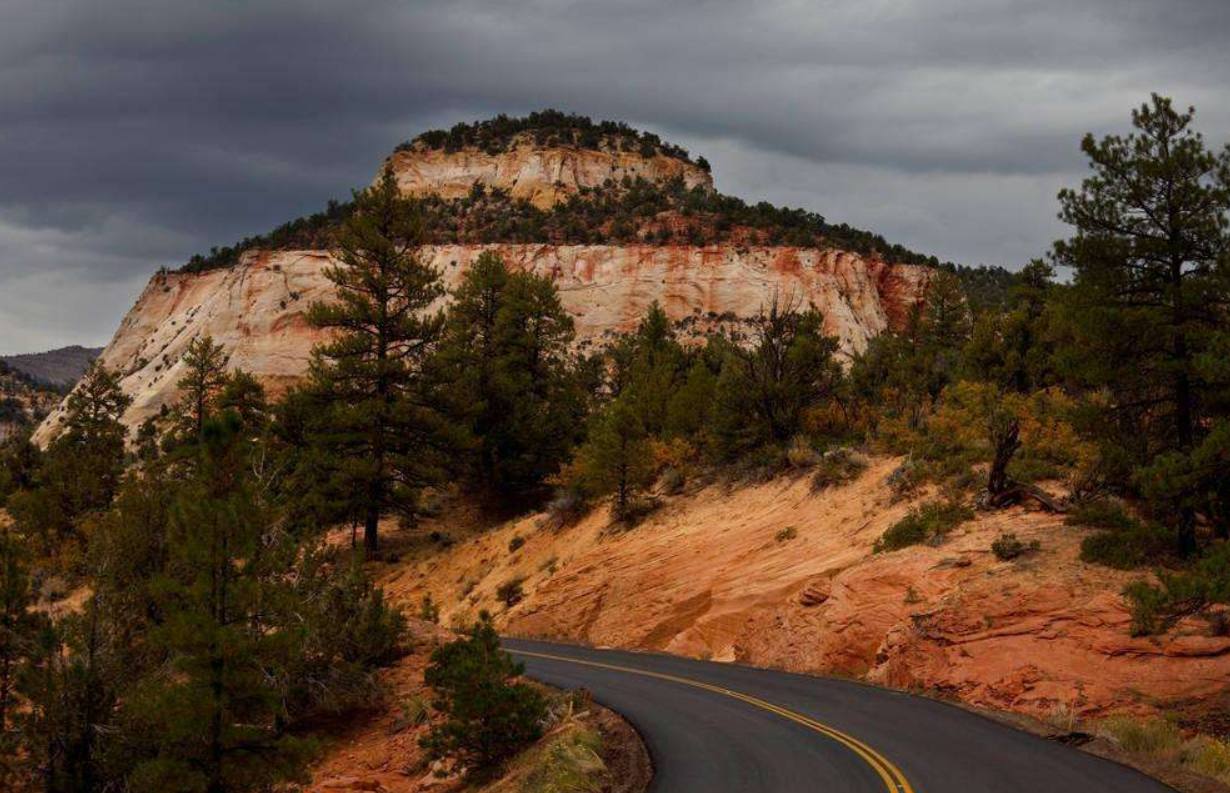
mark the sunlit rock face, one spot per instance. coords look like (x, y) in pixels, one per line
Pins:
(540, 174)
(256, 309)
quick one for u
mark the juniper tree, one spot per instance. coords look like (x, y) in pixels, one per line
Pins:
(766, 386)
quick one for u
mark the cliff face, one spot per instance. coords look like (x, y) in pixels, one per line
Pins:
(539, 174)
(256, 310)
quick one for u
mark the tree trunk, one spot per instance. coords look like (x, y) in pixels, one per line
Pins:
(1006, 440)
(371, 523)
(1184, 421)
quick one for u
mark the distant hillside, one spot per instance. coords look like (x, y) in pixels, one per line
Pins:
(23, 402)
(62, 367)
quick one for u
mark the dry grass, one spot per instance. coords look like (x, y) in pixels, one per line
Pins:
(565, 761)
(1162, 741)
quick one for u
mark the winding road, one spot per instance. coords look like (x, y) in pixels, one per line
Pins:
(726, 728)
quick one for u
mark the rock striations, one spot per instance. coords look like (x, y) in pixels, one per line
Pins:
(256, 309)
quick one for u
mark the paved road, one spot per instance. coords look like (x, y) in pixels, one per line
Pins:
(724, 728)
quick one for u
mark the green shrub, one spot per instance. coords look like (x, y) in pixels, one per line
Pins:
(413, 714)
(904, 479)
(786, 534)
(1139, 545)
(510, 592)
(1028, 468)
(922, 524)
(1101, 514)
(837, 467)
(1206, 582)
(515, 543)
(1007, 547)
(488, 718)
(1147, 605)
(355, 622)
(429, 610)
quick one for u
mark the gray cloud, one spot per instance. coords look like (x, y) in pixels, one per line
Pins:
(136, 132)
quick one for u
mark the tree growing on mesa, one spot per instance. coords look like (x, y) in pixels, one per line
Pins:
(200, 386)
(1151, 294)
(383, 431)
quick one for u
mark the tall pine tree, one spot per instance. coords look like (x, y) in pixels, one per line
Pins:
(506, 360)
(1151, 294)
(383, 429)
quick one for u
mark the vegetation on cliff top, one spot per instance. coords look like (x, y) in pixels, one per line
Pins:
(617, 213)
(549, 128)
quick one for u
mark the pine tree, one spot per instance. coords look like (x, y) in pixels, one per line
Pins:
(1014, 347)
(82, 468)
(506, 360)
(200, 386)
(384, 428)
(243, 395)
(1151, 256)
(617, 459)
(71, 686)
(938, 335)
(655, 368)
(19, 628)
(488, 716)
(214, 719)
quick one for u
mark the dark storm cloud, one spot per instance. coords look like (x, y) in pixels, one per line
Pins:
(136, 132)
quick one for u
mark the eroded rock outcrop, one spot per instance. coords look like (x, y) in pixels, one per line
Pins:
(256, 308)
(541, 175)
(711, 575)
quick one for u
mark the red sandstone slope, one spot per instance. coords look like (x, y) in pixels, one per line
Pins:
(706, 577)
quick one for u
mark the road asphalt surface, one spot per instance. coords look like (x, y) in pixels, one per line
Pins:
(727, 728)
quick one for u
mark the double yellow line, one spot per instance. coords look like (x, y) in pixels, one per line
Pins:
(894, 781)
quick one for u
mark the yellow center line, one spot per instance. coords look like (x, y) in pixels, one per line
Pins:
(889, 774)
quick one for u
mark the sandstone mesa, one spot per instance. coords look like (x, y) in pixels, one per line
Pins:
(256, 309)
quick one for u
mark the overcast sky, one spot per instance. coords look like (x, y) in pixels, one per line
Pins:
(134, 133)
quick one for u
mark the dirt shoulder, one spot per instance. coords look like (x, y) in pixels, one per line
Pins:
(378, 750)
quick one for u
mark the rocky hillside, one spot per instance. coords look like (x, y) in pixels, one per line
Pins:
(619, 219)
(23, 401)
(60, 367)
(780, 575)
